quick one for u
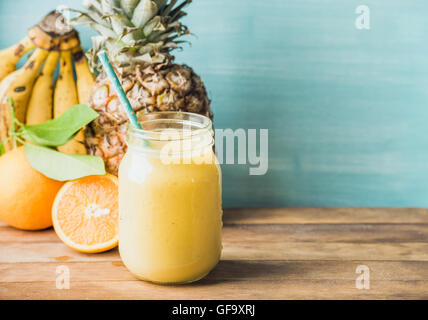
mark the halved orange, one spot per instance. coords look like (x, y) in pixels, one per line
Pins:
(85, 213)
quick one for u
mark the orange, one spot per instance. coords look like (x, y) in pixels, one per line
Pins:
(85, 213)
(26, 196)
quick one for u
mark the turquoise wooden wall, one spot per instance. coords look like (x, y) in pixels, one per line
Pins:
(347, 109)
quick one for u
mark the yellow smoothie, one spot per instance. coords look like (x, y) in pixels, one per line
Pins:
(170, 214)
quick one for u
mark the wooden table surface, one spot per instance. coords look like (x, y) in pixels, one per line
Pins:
(293, 253)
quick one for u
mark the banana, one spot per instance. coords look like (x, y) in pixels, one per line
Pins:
(53, 33)
(9, 57)
(65, 96)
(85, 83)
(40, 107)
(18, 86)
(85, 78)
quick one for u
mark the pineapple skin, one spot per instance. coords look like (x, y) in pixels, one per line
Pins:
(156, 88)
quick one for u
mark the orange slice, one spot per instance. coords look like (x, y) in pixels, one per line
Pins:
(85, 213)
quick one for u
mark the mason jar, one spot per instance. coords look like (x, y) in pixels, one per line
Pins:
(170, 205)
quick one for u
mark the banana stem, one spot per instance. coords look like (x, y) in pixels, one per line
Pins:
(21, 141)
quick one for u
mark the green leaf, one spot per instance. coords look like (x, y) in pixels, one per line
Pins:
(59, 131)
(2, 150)
(63, 167)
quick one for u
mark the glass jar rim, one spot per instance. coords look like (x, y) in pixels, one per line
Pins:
(197, 124)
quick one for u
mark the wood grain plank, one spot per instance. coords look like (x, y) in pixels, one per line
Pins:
(352, 233)
(357, 233)
(213, 290)
(9, 234)
(294, 253)
(226, 270)
(46, 252)
(324, 251)
(311, 216)
(245, 250)
(325, 215)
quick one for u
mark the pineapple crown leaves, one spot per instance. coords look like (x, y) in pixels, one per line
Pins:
(134, 32)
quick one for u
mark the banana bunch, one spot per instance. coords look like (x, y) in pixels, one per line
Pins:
(35, 95)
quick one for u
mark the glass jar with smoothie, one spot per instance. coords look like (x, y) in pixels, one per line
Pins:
(170, 199)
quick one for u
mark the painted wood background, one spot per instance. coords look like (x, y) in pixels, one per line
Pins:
(346, 109)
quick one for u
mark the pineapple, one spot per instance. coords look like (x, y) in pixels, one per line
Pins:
(138, 36)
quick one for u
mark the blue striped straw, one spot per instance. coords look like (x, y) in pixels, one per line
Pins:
(119, 90)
